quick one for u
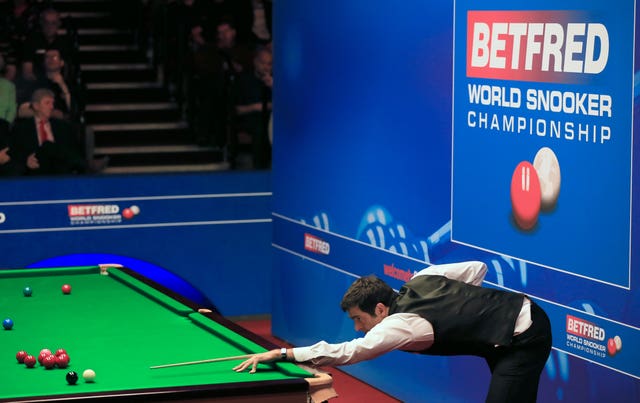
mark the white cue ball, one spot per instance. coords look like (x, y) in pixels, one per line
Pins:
(135, 209)
(89, 375)
(548, 168)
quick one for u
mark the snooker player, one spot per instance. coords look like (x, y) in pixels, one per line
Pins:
(442, 310)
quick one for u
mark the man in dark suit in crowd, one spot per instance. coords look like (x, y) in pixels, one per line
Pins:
(43, 145)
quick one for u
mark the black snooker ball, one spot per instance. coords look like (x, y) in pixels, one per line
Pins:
(72, 377)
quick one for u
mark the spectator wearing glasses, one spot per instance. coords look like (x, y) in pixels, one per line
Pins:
(46, 38)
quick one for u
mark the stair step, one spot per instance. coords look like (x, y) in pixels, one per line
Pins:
(123, 86)
(111, 92)
(104, 36)
(65, 6)
(131, 107)
(154, 149)
(107, 48)
(117, 72)
(119, 134)
(142, 138)
(101, 54)
(93, 19)
(205, 167)
(137, 127)
(101, 36)
(159, 155)
(129, 113)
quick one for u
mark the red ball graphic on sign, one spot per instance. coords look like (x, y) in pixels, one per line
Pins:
(525, 195)
(611, 347)
(127, 213)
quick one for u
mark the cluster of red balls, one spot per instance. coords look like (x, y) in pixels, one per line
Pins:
(46, 358)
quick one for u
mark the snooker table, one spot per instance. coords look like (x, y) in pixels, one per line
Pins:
(119, 323)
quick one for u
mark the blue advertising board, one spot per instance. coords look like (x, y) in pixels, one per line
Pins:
(542, 122)
(195, 233)
(406, 153)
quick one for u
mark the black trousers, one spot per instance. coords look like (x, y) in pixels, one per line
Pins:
(516, 369)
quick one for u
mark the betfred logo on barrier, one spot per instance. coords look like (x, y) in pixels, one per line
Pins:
(84, 210)
(91, 214)
(316, 245)
(541, 46)
(585, 329)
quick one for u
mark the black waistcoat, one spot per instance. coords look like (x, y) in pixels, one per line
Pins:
(466, 319)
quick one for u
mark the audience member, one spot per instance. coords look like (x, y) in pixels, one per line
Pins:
(7, 96)
(216, 70)
(17, 21)
(240, 12)
(182, 17)
(7, 115)
(253, 107)
(65, 103)
(44, 145)
(45, 38)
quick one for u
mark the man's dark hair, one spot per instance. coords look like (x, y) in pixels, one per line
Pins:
(365, 293)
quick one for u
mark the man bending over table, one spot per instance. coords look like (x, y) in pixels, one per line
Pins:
(442, 310)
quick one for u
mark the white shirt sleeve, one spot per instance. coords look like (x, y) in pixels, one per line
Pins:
(471, 272)
(404, 331)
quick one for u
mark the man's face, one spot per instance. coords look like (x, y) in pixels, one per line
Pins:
(43, 108)
(362, 321)
(50, 23)
(226, 36)
(53, 61)
(263, 64)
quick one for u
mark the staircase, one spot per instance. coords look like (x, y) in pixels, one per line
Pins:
(130, 116)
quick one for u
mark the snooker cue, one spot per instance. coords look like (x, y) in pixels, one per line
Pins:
(237, 357)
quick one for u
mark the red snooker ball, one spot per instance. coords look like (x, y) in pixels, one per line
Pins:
(62, 360)
(66, 289)
(30, 361)
(43, 354)
(60, 351)
(49, 361)
(21, 355)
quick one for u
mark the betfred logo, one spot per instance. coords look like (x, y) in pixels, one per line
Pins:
(585, 329)
(92, 214)
(84, 210)
(316, 245)
(540, 46)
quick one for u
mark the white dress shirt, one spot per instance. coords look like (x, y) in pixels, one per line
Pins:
(405, 331)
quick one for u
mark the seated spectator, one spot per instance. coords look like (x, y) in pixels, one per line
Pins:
(217, 68)
(17, 21)
(182, 17)
(45, 38)
(238, 11)
(42, 144)
(7, 96)
(65, 103)
(253, 107)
